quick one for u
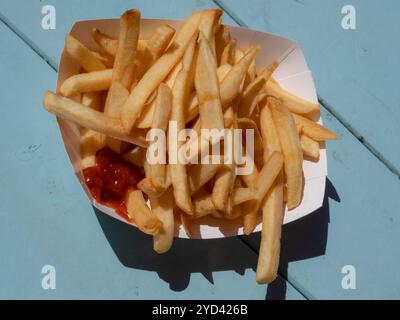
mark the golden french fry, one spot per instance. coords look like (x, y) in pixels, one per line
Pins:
(207, 27)
(222, 37)
(268, 132)
(155, 48)
(291, 149)
(163, 209)
(180, 94)
(204, 204)
(265, 180)
(251, 92)
(223, 186)
(310, 147)
(86, 82)
(160, 121)
(81, 54)
(140, 213)
(90, 140)
(312, 129)
(250, 179)
(228, 54)
(193, 110)
(158, 71)
(124, 64)
(207, 88)
(230, 86)
(68, 109)
(294, 103)
(272, 218)
(185, 223)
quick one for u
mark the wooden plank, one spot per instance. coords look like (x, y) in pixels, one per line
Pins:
(47, 219)
(355, 71)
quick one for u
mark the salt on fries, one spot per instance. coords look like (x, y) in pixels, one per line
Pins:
(198, 78)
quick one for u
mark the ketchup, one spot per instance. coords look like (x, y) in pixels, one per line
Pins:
(110, 179)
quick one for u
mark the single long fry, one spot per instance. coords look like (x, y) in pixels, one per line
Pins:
(158, 71)
(81, 54)
(140, 213)
(272, 219)
(68, 109)
(291, 149)
(86, 82)
(180, 94)
(207, 27)
(265, 180)
(163, 209)
(160, 121)
(207, 88)
(292, 102)
(312, 129)
(310, 147)
(124, 64)
(269, 134)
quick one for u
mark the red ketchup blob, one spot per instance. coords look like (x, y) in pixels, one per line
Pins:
(110, 179)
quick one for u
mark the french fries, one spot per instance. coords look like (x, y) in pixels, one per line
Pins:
(158, 71)
(180, 93)
(265, 179)
(136, 91)
(86, 82)
(140, 213)
(163, 209)
(73, 111)
(312, 129)
(291, 149)
(293, 103)
(124, 64)
(207, 88)
(272, 219)
(309, 147)
(86, 58)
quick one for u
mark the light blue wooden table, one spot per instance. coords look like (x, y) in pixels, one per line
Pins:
(47, 220)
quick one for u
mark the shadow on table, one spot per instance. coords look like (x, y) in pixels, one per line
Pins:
(302, 239)
(135, 250)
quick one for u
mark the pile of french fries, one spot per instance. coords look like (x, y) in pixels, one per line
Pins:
(199, 78)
